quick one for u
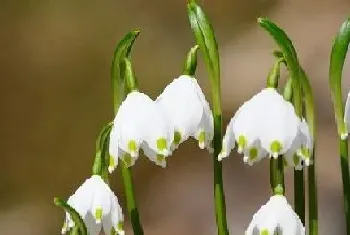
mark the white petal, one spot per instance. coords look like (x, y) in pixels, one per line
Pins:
(159, 160)
(276, 216)
(247, 121)
(254, 153)
(114, 150)
(347, 115)
(101, 202)
(130, 122)
(159, 134)
(280, 124)
(91, 225)
(184, 104)
(228, 142)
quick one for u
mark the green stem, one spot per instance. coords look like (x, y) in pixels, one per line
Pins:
(130, 199)
(206, 40)
(344, 161)
(277, 175)
(219, 196)
(311, 173)
(123, 80)
(299, 194)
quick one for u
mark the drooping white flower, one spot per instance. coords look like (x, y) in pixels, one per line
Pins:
(139, 123)
(185, 106)
(267, 125)
(98, 206)
(276, 217)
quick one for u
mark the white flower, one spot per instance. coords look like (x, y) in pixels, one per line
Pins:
(139, 123)
(185, 106)
(276, 217)
(97, 205)
(346, 118)
(267, 125)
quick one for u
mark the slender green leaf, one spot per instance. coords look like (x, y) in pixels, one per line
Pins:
(117, 70)
(290, 55)
(338, 55)
(205, 38)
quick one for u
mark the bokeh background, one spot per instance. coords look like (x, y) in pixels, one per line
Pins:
(55, 60)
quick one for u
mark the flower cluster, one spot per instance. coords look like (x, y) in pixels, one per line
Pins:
(267, 125)
(158, 127)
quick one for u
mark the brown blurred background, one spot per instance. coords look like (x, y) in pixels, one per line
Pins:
(54, 66)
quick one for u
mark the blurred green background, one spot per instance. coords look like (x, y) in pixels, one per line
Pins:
(55, 60)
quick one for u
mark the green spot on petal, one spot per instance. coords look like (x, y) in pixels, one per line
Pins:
(201, 137)
(120, 226)
(161, 144)
(132, 146)
(296, 159)
(264, 232)
(275, 146)
(242, 142)
(98, 214)
(177, 137)
(253, 154)
(305, 152)
(111, 161)
(160, 158)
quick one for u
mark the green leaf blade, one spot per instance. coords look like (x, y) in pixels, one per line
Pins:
(205, 38)
(338, 56)
(122, 51)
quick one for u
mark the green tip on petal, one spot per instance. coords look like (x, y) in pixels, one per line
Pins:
(264, 232)
(161, 144)
(160, 158)
(120, 226)
(242, 143)
(275, 147)
(253, 154)
(296, 159)
(98, 215)
(111, 161)
(132, 146)
(177, 137)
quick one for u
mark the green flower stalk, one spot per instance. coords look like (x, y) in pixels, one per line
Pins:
(205, 38)
(100, 166)
(338, 55)
(123, 81)
(276, 165)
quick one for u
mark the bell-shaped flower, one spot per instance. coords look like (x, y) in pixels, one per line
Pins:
(98, 206)
(267, 125)
(184, 104)
(139, 123)
(276, 217)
